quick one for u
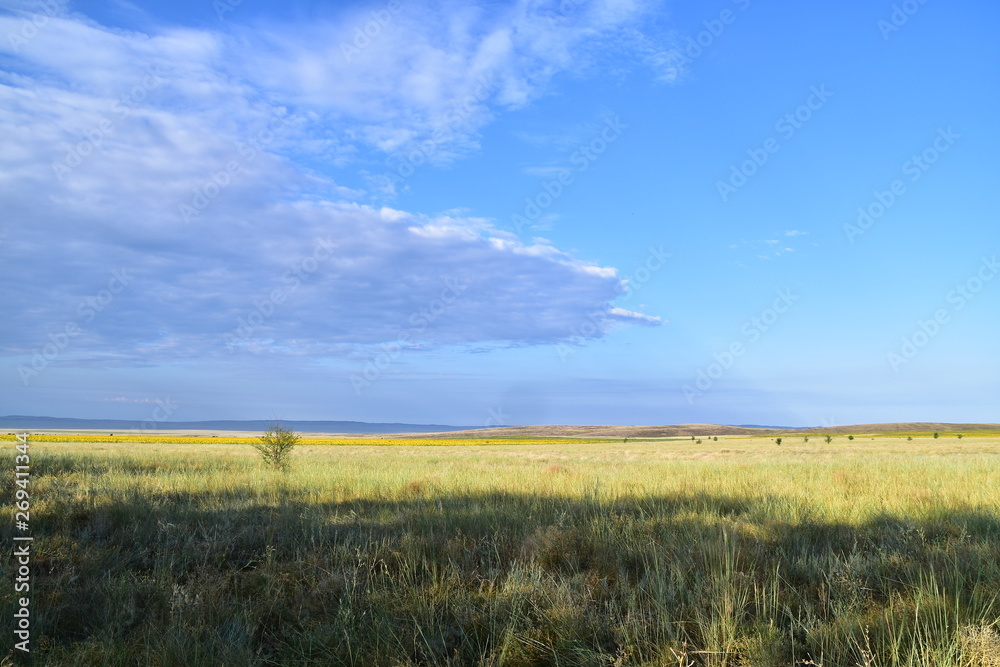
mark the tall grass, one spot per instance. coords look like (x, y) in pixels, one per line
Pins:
(733, 553)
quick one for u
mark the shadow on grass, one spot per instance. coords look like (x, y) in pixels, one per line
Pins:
(497, 578)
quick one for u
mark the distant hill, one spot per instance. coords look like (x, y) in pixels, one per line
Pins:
(15, 422)
(606, 431)
(707, 430)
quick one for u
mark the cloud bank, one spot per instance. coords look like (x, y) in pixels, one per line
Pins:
(165, 196)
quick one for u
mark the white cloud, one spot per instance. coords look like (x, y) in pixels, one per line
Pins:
(629, 315)
(435, 72)
(765, 248)
(123, 399)
(546, 172)
(106, 136)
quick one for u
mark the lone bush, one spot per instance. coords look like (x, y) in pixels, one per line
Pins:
(276, 445)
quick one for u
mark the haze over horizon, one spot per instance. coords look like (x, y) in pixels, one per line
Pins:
(607, 212)
(153, 425)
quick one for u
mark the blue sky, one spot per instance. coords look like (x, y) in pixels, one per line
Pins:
(618, 212)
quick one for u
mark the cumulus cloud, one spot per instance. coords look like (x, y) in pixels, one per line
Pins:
(156, 197)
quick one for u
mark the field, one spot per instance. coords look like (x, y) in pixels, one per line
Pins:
(735, 552)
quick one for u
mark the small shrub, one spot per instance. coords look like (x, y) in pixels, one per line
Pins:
(828, 439)
(698, 441)
(850, 437)
(716, 438)
(959, 436)
(909, 437)
(805, 438)
(778, 440)
(276, 445)
(936, 434)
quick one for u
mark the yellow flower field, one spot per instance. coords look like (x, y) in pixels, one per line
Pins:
(235, 440)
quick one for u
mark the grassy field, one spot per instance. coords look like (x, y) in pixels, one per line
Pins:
(736, 552)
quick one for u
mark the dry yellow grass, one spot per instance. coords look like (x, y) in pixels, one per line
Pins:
(730, 553)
